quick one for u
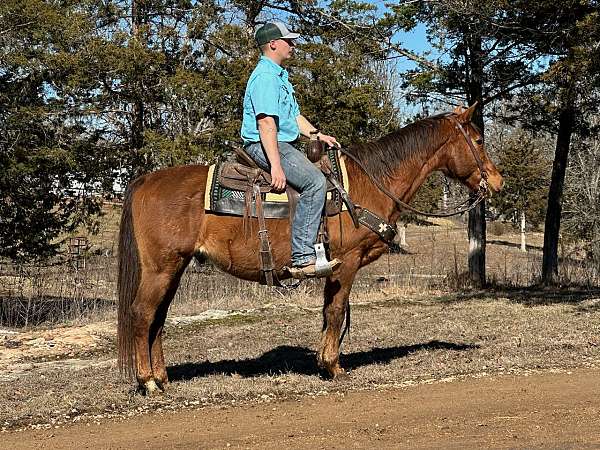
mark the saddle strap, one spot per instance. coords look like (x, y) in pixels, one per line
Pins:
(345, 197)
(266, 256)
(386, 231)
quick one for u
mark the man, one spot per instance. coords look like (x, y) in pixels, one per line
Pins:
(271, 123)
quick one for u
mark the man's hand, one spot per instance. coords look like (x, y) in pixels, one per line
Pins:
(329, 140)
(277, 178)
(306, 129)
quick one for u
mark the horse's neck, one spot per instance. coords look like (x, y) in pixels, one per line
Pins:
(407, 178)
(411, 174)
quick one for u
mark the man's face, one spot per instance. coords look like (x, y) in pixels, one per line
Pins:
(284, 48)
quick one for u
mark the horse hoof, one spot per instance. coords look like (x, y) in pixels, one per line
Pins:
(151, 388)
(341, 376)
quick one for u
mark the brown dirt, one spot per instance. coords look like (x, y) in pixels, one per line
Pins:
(547, 410)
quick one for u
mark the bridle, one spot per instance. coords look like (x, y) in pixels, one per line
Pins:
(459, 126)
(472, 202)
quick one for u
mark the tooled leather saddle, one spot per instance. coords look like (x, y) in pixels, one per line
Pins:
(234, 178)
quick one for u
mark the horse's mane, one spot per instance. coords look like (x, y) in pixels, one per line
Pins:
(381, 157)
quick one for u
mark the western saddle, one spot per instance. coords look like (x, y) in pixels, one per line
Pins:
(243, 174)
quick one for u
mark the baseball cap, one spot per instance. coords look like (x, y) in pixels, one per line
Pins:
(272, 31)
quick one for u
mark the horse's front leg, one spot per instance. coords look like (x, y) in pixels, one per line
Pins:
(336, 294)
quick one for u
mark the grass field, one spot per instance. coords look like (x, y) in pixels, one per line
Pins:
(435, 259)
(414, 320)
(68, 374)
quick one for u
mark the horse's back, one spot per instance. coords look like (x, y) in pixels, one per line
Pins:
(178, 179)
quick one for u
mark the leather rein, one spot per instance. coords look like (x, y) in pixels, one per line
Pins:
(481, 192)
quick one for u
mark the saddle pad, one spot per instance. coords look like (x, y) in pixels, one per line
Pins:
(220, 200)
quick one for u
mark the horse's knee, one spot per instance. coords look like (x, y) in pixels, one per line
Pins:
(334, 314)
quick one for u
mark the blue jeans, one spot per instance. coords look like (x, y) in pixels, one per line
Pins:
(310, 182)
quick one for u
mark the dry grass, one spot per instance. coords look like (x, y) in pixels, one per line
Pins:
(412, 322)
(268, 354)
(435, 259)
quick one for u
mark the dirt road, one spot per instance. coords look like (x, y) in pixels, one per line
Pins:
(547, 410)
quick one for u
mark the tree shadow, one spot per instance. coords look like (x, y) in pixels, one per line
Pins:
(513, 244)
(301, 361)
(531, 296)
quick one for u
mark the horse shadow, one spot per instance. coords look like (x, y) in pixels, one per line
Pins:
(300, 361)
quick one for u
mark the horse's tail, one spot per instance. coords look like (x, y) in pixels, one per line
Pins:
(128, 283)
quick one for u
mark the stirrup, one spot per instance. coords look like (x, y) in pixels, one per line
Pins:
(323, 267)
(310, 271)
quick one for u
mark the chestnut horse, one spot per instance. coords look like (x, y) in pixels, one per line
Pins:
(164, 225)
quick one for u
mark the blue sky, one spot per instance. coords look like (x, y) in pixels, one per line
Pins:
(414, 40)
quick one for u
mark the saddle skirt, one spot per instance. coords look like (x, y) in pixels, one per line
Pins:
(229, 183)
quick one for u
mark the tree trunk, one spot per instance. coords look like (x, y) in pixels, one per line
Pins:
(402, 234)
(474, 88)
(477, 245)
(138, 110)
(523, 243)
(566, 122)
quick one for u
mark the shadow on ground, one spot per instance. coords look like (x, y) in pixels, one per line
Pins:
(533, 296)
(513, 244)
(301, 361)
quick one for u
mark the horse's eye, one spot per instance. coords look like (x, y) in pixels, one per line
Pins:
(479, 141)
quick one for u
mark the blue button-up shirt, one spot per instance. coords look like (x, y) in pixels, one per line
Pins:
(269, 92)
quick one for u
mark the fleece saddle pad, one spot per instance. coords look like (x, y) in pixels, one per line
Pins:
(221, 200)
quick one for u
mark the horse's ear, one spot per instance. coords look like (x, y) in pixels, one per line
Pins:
(467, 114)
(458, 110)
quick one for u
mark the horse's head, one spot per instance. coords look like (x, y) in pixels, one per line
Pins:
(465, 153)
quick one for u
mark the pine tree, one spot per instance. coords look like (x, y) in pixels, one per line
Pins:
(49, 163)
(96, 92)
(526, 168)
(567, 34)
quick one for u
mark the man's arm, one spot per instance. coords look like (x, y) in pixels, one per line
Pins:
(306, 128)
(267, 129)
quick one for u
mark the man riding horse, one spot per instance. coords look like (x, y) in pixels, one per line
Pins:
(165, 222)
(271, 124)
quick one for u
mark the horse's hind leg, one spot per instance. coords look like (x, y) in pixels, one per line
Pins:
(151, 294)
(157, 359)
(159, 369)
(337, 292)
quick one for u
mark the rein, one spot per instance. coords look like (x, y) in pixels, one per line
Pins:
(481, 192)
